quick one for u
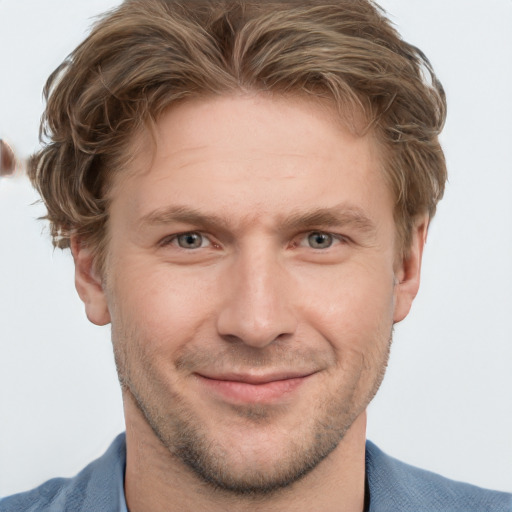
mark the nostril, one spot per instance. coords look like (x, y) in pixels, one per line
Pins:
(231, 338)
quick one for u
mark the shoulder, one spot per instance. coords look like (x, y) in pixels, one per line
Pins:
(98, 487)
(396, 486)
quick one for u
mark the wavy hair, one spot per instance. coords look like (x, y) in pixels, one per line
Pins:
(146, 55)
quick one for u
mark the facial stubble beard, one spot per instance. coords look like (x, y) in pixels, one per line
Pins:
(182, 435)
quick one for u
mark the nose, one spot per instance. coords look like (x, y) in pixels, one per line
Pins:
(257, 308)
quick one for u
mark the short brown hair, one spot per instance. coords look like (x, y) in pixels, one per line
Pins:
(148, 54)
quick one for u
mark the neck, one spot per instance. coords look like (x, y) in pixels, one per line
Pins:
(156, 480)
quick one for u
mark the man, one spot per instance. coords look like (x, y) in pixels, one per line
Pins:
(246, 189)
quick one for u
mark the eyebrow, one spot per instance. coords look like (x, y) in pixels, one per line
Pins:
(339, 215)
(184, 215)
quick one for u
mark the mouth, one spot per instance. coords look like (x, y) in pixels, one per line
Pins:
(251, 388)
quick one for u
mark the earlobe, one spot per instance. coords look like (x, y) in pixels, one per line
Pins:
(88, 283)
(409, 270)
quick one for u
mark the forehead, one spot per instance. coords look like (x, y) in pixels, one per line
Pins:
(251, 155)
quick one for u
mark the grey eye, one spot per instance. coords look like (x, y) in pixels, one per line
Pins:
(319, 240)
(190, 240)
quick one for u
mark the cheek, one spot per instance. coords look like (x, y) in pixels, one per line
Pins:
(166, 306)
(353, 309)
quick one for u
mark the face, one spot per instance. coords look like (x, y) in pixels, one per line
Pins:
(252, 285)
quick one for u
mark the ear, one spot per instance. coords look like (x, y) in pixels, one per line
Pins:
(88, 283)
(408, 270)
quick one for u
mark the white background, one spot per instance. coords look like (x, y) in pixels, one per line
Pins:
(446, 403)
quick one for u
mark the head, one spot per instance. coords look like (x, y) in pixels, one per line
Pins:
(146, 56)
(197, 156)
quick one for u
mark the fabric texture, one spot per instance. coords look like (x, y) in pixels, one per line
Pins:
(99, 487)
(393, 487)
(396, 486)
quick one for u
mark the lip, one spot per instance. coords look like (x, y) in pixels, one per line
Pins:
(249, 388)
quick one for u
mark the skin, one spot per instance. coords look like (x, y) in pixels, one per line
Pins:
(252, 283)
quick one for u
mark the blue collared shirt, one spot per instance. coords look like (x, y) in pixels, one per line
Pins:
(393, 487)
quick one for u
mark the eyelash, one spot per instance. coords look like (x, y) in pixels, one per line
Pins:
(336, 238)
(173, 239)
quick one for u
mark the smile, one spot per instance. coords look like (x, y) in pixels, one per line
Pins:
(251, 388)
